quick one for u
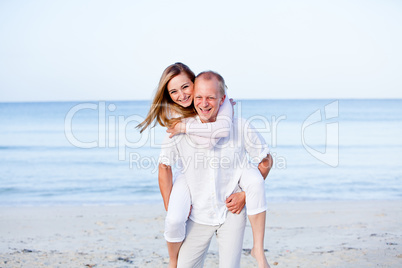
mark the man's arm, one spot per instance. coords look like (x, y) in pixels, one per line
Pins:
(265, 165)
(235, 202)
(165, 179)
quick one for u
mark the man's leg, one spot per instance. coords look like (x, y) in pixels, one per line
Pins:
(195, 246)
(230, 239)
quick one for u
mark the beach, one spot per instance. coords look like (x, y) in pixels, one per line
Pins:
(298, 234)
(67, 205)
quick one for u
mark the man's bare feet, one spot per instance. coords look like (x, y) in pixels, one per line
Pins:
(260, 257)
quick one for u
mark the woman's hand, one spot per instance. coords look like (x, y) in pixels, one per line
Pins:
(235, 202)
(178, 128)
(233, 104)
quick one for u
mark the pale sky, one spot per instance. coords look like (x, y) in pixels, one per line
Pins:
(116, 50)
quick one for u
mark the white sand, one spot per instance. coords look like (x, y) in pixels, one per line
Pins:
(304, 234)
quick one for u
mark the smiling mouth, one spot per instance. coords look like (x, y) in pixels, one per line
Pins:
(186, 99)
(205, 111)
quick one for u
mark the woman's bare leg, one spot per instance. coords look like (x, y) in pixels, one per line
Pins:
(257, 222)
(173, 249)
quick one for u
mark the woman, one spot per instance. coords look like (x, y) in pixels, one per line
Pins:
(173, 102)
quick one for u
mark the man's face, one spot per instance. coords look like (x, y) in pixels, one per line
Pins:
(207, 99)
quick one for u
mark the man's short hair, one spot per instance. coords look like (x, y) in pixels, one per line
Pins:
(209, 75)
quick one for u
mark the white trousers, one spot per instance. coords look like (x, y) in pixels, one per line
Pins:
(229, 236)
(251, 182)
(178, 211)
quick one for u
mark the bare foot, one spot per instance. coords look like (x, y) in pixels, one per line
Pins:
(260, 257)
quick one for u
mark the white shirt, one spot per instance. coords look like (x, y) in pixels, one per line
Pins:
(209, 134)
(212, 173)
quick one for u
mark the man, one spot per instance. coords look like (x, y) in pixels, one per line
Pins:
(212, 175)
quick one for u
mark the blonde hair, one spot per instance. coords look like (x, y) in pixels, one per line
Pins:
(162, 106)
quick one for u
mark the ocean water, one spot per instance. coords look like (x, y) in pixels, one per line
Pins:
(76, 153)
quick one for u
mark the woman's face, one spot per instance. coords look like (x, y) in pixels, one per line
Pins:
(181, 89)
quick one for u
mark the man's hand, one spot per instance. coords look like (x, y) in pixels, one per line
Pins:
(178, 128)
(235, 202)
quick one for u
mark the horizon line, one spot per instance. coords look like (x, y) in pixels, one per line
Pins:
(242, 99)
